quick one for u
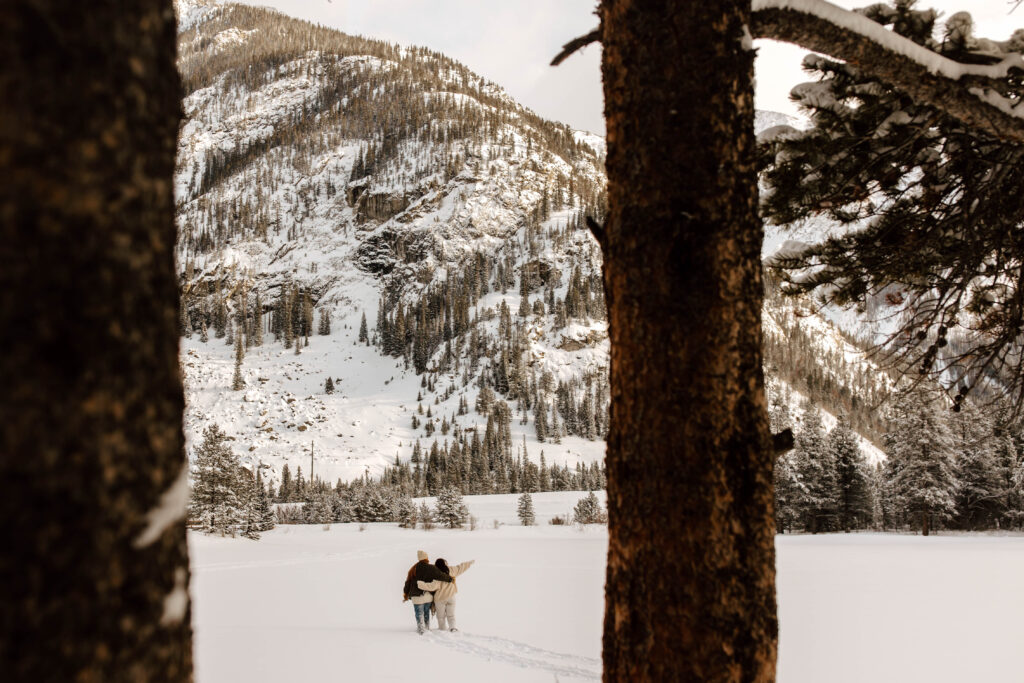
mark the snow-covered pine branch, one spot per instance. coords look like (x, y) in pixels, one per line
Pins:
(973, 93)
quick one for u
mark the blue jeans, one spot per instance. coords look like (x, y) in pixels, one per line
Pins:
(422, 616)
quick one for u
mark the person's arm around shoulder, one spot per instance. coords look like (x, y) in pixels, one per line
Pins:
(434, 574)
(459, 568)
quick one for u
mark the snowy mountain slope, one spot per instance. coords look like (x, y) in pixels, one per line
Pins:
(283, 412)
(329, 174)
(310, 174)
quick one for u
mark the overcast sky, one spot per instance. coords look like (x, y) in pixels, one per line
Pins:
(511, 42)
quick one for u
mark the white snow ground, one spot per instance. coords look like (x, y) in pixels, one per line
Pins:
(308, 604)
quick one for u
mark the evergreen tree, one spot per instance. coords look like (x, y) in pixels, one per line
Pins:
(544, 476)
(405, 512)
(374, 504)
(1017, 512)
(257, 323)
(319, 510)
(480, 472)
(287, 329)
(888, 168)
(306, 321)
(980, 493)
(264, 512)
(215, 502)
(237, 383)
(248, 498)
(344, 510)
(815, 471)
(852, 485)
(525, 510)
(363, 334)
(555, 430)
(787, 493)
(1006, 451)
(426, 516)
(451, 511)
(329, 386)
(484, 400)
(920, 448)
(284, 493)
(531, 477)
(325, 322)
(588, 511)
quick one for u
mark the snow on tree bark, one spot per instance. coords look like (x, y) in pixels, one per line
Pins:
(690, 580)
(92, 403)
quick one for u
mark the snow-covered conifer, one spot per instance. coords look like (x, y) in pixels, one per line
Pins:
(405, 512)
(319, 510)
(525, 510)
(787, 489)
(215, 501)
(853, 491)
(237, 382)
(363, 333)
(544, 475)
(588, 511)
(451, 511)
(815, 471)
(264, 513)
(425, 516)
(980, 494)
(324, 327)
(920, 449)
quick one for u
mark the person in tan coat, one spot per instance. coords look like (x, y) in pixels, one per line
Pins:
(444, 593)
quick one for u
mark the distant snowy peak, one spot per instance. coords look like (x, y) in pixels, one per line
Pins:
(763, 120)
(594, 141)
(192, 12)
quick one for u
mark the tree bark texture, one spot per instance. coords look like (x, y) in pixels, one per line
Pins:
(91, 436)
(690, 592)
(952, 97)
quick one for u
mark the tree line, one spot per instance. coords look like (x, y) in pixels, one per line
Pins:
(944, 470)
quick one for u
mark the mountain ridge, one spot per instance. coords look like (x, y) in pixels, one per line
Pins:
(332, 175)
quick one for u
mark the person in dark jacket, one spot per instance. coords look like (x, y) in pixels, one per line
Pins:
(421, 599)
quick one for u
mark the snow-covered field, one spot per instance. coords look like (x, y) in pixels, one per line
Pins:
(308, 604)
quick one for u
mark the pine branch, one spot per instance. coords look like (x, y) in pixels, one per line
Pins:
(970, 93)
(577, 44)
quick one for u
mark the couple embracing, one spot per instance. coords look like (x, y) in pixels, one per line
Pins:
(429, 585)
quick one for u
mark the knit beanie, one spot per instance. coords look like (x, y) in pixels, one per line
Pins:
(421, 555)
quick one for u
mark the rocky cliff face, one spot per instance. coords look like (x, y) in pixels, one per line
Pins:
(328, 177)
(345, 177)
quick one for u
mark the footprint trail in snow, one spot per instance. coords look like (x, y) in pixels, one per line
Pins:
(520, 654)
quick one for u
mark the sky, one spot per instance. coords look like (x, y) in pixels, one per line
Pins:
(511, 42)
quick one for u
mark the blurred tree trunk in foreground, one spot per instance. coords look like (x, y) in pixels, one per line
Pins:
(94, 565)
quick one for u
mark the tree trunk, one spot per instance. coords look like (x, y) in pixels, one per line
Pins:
(690, 591)
(924, 522)
(93, 586)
